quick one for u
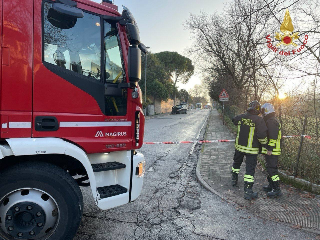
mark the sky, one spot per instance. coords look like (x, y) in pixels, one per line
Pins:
(161, 24)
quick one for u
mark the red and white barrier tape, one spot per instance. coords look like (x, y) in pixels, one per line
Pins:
(201, 141)
(305, 136)
(215, 141)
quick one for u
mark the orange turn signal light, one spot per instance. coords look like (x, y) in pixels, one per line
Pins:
(140, 170)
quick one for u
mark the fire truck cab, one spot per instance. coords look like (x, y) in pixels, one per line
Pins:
(70, 111)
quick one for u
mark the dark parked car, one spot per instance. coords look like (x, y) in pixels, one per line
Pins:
(179, 109)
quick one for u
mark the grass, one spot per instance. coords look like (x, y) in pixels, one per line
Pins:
(228, 122)
(309, 162)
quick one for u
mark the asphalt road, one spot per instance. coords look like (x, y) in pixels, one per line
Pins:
(173, 204)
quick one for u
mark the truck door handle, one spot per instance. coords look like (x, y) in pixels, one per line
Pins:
(46, 123)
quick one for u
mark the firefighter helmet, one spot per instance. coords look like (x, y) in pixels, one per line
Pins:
(267, 108)
(254, 107)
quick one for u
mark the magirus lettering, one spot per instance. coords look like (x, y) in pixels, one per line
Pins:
(116, 134)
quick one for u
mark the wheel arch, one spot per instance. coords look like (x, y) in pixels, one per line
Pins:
(52, 150)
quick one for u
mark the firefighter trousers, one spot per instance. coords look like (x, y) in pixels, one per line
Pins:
(272, 165)
(251, 163)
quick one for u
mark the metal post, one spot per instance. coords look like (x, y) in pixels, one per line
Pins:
(223, 112)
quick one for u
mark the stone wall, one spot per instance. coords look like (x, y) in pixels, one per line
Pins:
(157, 107)
(150, 110)
(164, 106)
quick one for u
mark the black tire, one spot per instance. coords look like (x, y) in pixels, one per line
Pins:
(55, 182)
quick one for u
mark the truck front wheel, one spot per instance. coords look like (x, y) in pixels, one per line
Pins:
(39, 201)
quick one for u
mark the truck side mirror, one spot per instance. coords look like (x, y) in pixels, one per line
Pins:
(134, 63)
(133, 33)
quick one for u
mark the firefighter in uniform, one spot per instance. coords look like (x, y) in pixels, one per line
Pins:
(272, 150)
(252, 133)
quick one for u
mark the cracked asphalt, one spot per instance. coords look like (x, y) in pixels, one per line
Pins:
(173, 204)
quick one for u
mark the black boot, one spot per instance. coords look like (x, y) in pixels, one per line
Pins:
(234, 179)
(269, 187)
(248, 192)
(276, 191)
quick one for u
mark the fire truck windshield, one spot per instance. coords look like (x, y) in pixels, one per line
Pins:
(78, 48)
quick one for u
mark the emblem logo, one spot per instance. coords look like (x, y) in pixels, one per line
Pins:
(286, 28)
(286, 37)
(99, 134)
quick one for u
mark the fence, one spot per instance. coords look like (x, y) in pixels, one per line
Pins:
(301, 156)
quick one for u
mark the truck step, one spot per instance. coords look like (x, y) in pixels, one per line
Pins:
(110, 191)
(107, 166)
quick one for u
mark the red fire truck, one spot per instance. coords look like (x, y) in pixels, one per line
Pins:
(70, 112)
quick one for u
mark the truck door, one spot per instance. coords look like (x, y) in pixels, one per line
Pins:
(16, 69)
(78, 69)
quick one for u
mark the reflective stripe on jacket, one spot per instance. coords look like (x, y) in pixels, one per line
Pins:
(252, 132)
(274, 135)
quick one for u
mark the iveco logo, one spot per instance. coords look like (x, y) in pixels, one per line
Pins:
(99, 134)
